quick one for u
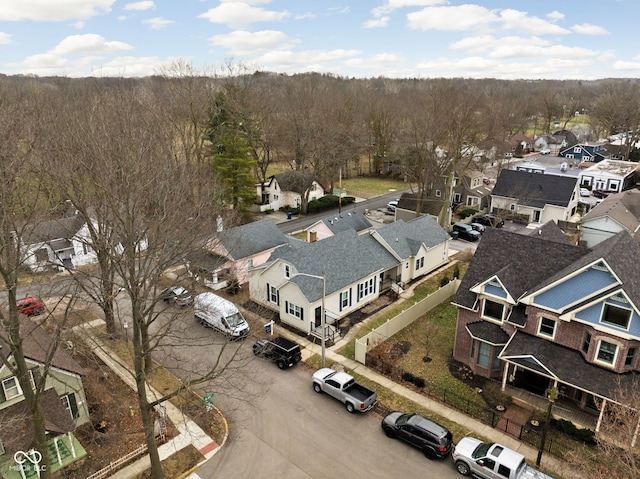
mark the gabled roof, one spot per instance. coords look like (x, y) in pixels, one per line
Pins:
(534, 189)
(344, 258)
(430, 206)
(296, 181)
(520, 262)
(565, 364)
(347, 220)
(406, 238)
(36, 343)
(622, 207)
(251, 239)
(550, 231)
(57, 421)
(47, 231)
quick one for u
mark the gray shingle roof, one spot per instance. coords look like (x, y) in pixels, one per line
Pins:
(623, 207)
(345, 258)
(253, 238)
(297, 181)
(47, 231)
(550, 231)
(430, 206)
(489, 332)
(534, 189)
(347, 220)
(405, 238)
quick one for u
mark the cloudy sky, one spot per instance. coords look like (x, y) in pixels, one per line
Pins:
(508, 39)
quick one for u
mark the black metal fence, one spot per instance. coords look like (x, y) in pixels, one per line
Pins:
(526, 433)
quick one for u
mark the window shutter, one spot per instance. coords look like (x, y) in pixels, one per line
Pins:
(278, 297)
(340, 306)
(302, 314)
(268, 292)
(350, 296)
(74, 405)
(2, 396)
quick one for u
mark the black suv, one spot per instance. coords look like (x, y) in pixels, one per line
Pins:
(434, 440)
(489, 219)
(466, 232)
(283, 352)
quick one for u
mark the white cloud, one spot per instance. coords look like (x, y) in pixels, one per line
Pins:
(157, 23)
(248, 2)
(391, 5)
(140, 6)
(5, 38)
(378, 22)
(311, 60)
(555, 15)
(239, 15)
(627, 66)
(523, 22)
(52, 10)
(244, 43)
(79, 25)
(589, 29)
(87, 44)
(458, 18)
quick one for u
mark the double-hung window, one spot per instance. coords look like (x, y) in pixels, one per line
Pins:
(366, 288)
(294, 310)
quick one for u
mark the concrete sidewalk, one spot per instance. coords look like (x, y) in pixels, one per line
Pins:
(188, 431)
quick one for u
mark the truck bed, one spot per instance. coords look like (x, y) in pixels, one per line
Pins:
(359, 392)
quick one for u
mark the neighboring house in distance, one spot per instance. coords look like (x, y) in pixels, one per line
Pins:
(63, 400)
(521, 144)
(611, 175)
(585, 153)
(541, 314)
(617, 212)
(550, 142)
(233, 252)
(334, 224)
(470, 191)
(536, 198)
(58, 244)
(288, 189)
(408, 203)
(357, 269)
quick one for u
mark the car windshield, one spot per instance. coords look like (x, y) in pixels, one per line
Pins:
(481, 450)
(235, 320)
(402, 420)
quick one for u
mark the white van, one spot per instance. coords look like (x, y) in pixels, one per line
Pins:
(220, 314)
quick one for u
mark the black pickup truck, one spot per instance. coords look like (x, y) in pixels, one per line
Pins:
(282, 351)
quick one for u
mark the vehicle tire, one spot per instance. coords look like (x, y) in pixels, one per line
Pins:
(350, 407)
(317, 388)
(389, 432)
(463, 468)
(281, 364)
(255, 352)
(37, 312)
(429, 453)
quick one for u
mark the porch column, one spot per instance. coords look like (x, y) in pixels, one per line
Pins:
(604, 405)
(505, 375)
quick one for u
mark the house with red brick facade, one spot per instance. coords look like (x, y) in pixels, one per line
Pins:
(536, 312)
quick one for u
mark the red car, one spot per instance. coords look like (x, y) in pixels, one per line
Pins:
(30, 306)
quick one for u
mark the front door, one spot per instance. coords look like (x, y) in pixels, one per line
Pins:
(318, 316)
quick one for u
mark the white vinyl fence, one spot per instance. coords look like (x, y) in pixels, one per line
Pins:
(404, 319)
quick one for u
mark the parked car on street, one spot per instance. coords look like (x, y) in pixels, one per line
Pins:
(30, 306)
(585, 192)
(466, 232)
(478, 227)
(220, 314)
(434, 440)
(282, 351)
(177, 295)
(344, 388)
(489, 219)
(490, 460)
(601, 193)
(391, 206)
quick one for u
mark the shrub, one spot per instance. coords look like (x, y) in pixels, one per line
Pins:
(493, 395)
(233, 287)
(321, 204)
(456, 271)
(418, 381)
(444, 280)
(466, 213)
(407, 376)
(566, 426)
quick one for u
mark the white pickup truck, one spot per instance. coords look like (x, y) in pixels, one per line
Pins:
(345, 389)
(492, 461)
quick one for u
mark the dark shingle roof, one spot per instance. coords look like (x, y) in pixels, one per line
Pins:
(568, 365)
(534, 189)
(521, 263)
(36, 343)
(550, 231)
(488, 332)
(47, 231)
(252, 238)
(430, 206)
(297, 181)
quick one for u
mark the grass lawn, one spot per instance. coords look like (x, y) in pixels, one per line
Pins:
(368, 187)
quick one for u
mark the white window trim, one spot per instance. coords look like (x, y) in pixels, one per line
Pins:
(345, 299)
(294, 310)
(273, 294)
(17, 388)
(287, 270)
(613, 325)
(612, 364)
(545, 335)
(489, 318)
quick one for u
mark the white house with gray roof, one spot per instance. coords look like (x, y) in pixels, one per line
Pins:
(356, 270)
(617, 212)
(334, 224)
